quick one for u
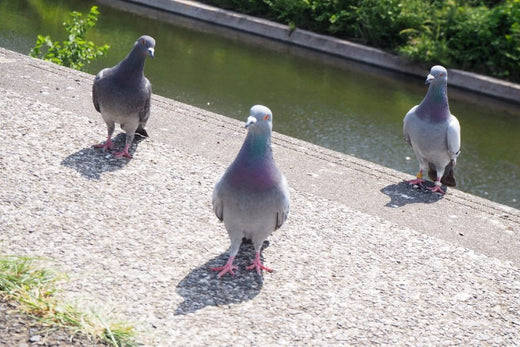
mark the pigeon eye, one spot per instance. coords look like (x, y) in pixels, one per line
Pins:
(441, 74)
(142, 42)
(266, 117)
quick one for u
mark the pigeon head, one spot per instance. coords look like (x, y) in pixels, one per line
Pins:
(438, 74)
(146, 45)
(259, 117)
(435, 104)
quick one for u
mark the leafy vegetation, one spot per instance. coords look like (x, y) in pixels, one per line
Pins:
(475, 35)
(75, 52)
(35, 289)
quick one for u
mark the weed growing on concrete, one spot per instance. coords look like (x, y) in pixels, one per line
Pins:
(35, 290)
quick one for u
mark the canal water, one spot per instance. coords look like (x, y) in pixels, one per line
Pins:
(335, 103)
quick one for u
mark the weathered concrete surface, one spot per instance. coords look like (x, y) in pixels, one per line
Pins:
(363, 258)
(327, 44)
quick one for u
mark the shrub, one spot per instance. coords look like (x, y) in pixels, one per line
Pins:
(75, 52)
(476, 38)
(477, 35)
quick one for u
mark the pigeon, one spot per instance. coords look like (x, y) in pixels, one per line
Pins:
(434, 133)
(252, 197)
(122, 95)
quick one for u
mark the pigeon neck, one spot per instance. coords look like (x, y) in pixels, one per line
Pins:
(257, 146)
(435, 104)
(254, 166)
(134, 61)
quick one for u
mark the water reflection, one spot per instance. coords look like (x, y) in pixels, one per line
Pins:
(329, 101)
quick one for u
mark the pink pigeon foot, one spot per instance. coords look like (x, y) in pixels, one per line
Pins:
(436, 189)
(229, 267)
(123, 153)
(257, 264)
(108, 144)
(417, 181)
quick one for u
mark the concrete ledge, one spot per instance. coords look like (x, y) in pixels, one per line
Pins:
(470, 81)
(362, 259)
(488, 227)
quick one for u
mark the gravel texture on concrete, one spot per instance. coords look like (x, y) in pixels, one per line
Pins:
(138, 236)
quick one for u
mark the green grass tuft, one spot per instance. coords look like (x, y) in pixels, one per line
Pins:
(35, 289)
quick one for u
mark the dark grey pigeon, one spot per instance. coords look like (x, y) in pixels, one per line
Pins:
(252, 197)
(434, 133)
(122, 95)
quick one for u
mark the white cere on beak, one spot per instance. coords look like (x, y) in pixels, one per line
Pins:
(250, 121)
(151, 52)
(429, 79)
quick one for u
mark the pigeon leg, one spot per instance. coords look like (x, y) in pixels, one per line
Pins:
(229, 267)
(128, 142)
(419, 180)
(437, 188)
(108, 144)
(257, 264)
(123, 153)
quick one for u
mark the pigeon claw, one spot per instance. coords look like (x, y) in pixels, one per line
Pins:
(225, 269)
(104, 145)
(229, 267)
(257, 264)
(122, 154)
(416, 181)
(436, 189)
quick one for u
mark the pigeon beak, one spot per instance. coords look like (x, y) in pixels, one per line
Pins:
(250, 121)
(429, 79)
(151, 52)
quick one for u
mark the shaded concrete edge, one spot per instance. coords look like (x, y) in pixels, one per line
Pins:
(342, 48)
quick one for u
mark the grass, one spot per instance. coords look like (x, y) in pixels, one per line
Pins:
(35, 289)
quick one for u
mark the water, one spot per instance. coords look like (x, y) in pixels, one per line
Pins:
(338, 104)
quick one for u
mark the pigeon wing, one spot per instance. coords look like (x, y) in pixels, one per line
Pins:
(95, 91)
(218, 206)
(284, 205)
(453, 137)
(144, 112)
(406, 124)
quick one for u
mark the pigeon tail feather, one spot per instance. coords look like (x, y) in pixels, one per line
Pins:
(448, 178)
(141, 131)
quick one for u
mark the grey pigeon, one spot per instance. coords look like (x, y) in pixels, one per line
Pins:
(252, 197)
(122, 95)
(434, 133)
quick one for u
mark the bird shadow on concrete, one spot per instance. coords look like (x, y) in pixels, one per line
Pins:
(403, 193)
(202, 288)
(91, 162)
